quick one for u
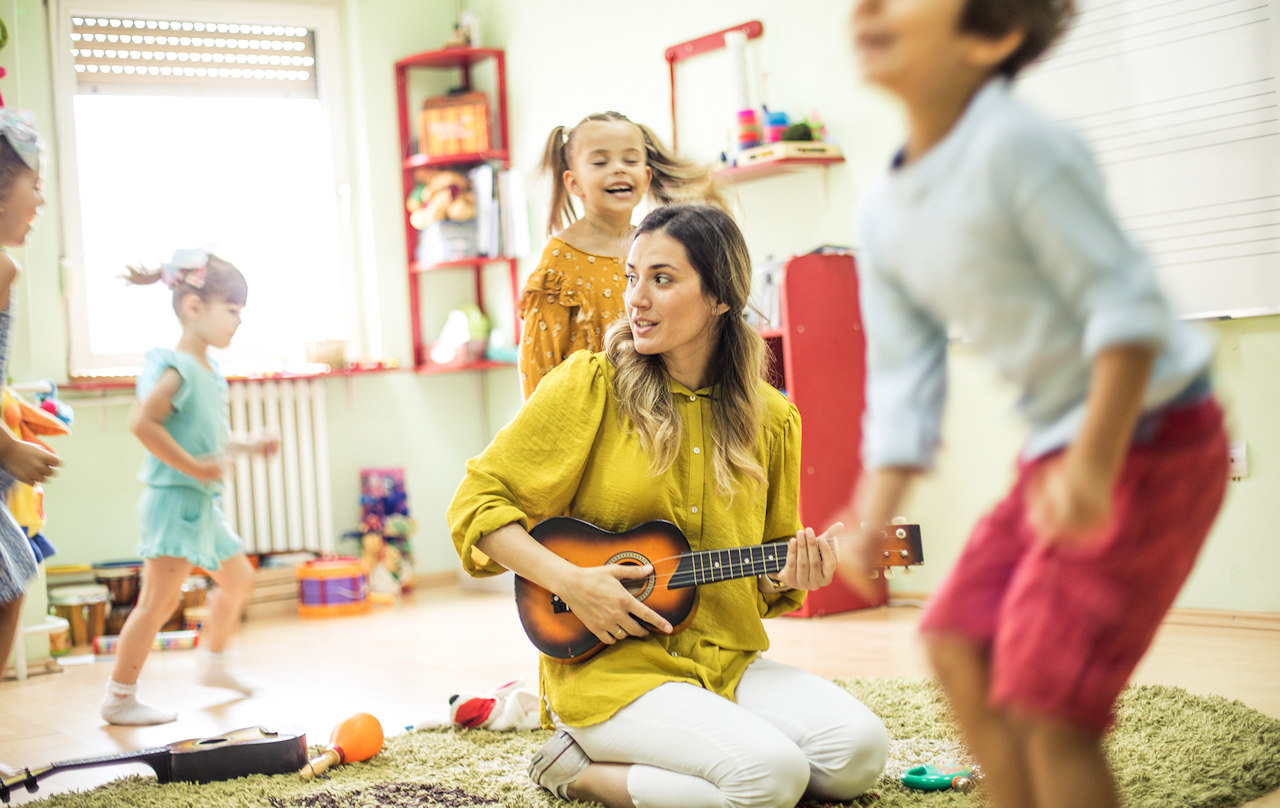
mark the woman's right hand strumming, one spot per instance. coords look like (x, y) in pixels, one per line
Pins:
(598, 598)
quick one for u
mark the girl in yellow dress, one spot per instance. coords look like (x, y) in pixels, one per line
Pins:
(611, 164)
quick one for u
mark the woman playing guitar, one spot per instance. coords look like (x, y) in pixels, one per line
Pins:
(672, 421)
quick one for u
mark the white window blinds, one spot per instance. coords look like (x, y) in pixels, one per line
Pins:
(176, 57)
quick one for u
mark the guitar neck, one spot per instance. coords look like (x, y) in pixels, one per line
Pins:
(708, 566)
(157, 758)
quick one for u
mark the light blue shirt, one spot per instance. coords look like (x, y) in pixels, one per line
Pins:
(1001, 235)
(199, 421)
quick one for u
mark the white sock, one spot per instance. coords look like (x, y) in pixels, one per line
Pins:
(120, 705)
(213, 672)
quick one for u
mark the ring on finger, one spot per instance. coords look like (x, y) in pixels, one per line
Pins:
(620, 633)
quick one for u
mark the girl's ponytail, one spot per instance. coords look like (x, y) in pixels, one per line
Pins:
(555, 164)
(677, 180)
(194, 272)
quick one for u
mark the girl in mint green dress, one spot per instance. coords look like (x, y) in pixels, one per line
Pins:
(181, 418)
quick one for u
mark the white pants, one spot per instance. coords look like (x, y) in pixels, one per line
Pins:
(789, 733)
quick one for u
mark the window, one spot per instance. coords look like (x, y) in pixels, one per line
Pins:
(202, 125)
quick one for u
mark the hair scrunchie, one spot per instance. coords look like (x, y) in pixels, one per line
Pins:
(186, 266)
(20, 131)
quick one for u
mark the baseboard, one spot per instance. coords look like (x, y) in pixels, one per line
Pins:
(1214, 618)
(1222, 618)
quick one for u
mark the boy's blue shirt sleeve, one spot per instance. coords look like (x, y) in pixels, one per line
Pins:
(906, 375)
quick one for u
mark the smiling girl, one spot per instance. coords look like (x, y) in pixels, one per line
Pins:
(611, 164)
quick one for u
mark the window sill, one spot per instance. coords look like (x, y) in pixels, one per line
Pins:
(126, 378)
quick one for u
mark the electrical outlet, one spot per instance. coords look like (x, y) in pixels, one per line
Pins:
(1238, 460)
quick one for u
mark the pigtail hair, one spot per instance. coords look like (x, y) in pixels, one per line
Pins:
(676, 180)
(140, 276)
(554, 163)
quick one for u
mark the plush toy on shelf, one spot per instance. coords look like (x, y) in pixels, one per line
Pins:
(440, 195)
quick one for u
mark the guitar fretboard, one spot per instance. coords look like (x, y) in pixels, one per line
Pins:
(709, 566)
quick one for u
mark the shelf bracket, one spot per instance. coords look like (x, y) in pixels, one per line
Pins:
(693, 47)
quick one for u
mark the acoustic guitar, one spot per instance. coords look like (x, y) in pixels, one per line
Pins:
(253, 750)
(671, 589)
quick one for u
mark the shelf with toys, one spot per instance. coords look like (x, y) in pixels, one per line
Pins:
(453, 151)
(768, 143)
(808, 308)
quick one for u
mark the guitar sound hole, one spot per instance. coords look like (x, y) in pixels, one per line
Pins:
(641, 588)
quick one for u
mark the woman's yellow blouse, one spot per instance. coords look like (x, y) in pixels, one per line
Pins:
(565, 453)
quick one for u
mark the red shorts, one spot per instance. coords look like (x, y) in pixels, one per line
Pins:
(1066, 626)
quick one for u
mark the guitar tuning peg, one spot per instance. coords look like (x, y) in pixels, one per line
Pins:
(888, 573)
(874, 574)
(898, 520)
(906, 570)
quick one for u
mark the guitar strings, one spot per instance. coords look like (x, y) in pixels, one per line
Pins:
(665, 578)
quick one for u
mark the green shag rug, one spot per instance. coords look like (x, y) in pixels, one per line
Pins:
(1170, 748)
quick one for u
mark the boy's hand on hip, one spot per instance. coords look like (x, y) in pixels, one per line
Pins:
(1068, 504)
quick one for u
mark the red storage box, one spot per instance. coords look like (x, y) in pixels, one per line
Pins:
(454, 124)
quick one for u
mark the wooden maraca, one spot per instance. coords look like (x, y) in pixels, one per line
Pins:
(354, 739)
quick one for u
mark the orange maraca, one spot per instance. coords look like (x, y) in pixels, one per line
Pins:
(356, 738)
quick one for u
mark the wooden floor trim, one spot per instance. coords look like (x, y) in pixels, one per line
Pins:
(1214, 618)
(1221, 618)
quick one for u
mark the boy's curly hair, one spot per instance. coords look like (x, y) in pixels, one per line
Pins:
(1042, 22)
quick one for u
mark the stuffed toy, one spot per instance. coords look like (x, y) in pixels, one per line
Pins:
(440, 195)
(506, 708)
(27, 423)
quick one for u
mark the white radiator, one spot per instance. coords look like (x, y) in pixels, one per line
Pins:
(281, 504)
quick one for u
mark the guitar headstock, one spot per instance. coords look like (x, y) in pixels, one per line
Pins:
(899, 545)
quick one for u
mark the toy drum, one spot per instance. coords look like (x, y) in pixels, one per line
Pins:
(121, 579)
(331, 587)
(83, 607)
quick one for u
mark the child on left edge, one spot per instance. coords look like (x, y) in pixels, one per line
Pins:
(180, 417)
(20, 199)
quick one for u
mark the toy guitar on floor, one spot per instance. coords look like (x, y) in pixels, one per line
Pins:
(671, 589)
(253, 750)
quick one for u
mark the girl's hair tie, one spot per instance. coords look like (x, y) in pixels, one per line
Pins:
(186, 267)
(18, 129)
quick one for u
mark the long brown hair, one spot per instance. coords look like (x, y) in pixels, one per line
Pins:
(716, 249)
(674, 179)
(216, 279)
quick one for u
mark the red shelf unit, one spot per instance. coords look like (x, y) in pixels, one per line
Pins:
(819, 361)
(460, 60)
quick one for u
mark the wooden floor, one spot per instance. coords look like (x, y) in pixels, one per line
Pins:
(402, 663)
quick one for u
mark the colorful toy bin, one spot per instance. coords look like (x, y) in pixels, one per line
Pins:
(330, 587)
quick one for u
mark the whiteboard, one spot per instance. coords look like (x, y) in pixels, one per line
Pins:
(1180, 102)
